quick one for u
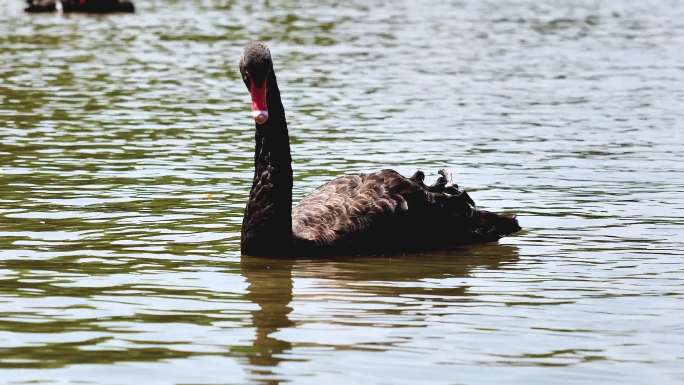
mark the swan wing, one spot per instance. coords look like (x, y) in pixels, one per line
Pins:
(385, 210)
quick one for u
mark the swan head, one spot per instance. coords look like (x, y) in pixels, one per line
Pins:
(255, 67)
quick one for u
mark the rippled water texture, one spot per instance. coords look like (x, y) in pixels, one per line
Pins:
(126, 149)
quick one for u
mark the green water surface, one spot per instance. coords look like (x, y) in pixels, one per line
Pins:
(125, 160)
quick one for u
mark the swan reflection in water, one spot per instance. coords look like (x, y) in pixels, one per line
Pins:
(357, 279)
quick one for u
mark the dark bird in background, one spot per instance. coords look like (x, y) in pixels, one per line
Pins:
(85, 6)
(380, 212)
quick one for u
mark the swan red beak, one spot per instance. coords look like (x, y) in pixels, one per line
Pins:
(259, 106)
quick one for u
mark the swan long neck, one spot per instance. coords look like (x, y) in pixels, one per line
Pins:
(267, 223)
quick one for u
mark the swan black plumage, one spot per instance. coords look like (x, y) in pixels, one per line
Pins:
(85, 6)
(372, 213)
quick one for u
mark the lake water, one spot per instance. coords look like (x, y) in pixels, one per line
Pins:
(126, 147)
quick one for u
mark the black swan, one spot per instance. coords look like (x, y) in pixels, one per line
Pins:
(85, 6)
(374, 213)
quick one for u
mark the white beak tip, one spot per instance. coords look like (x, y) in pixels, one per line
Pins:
(260, 117)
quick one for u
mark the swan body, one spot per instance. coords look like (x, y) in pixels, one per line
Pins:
(85, 6)
(372, 213)
(385, 211)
